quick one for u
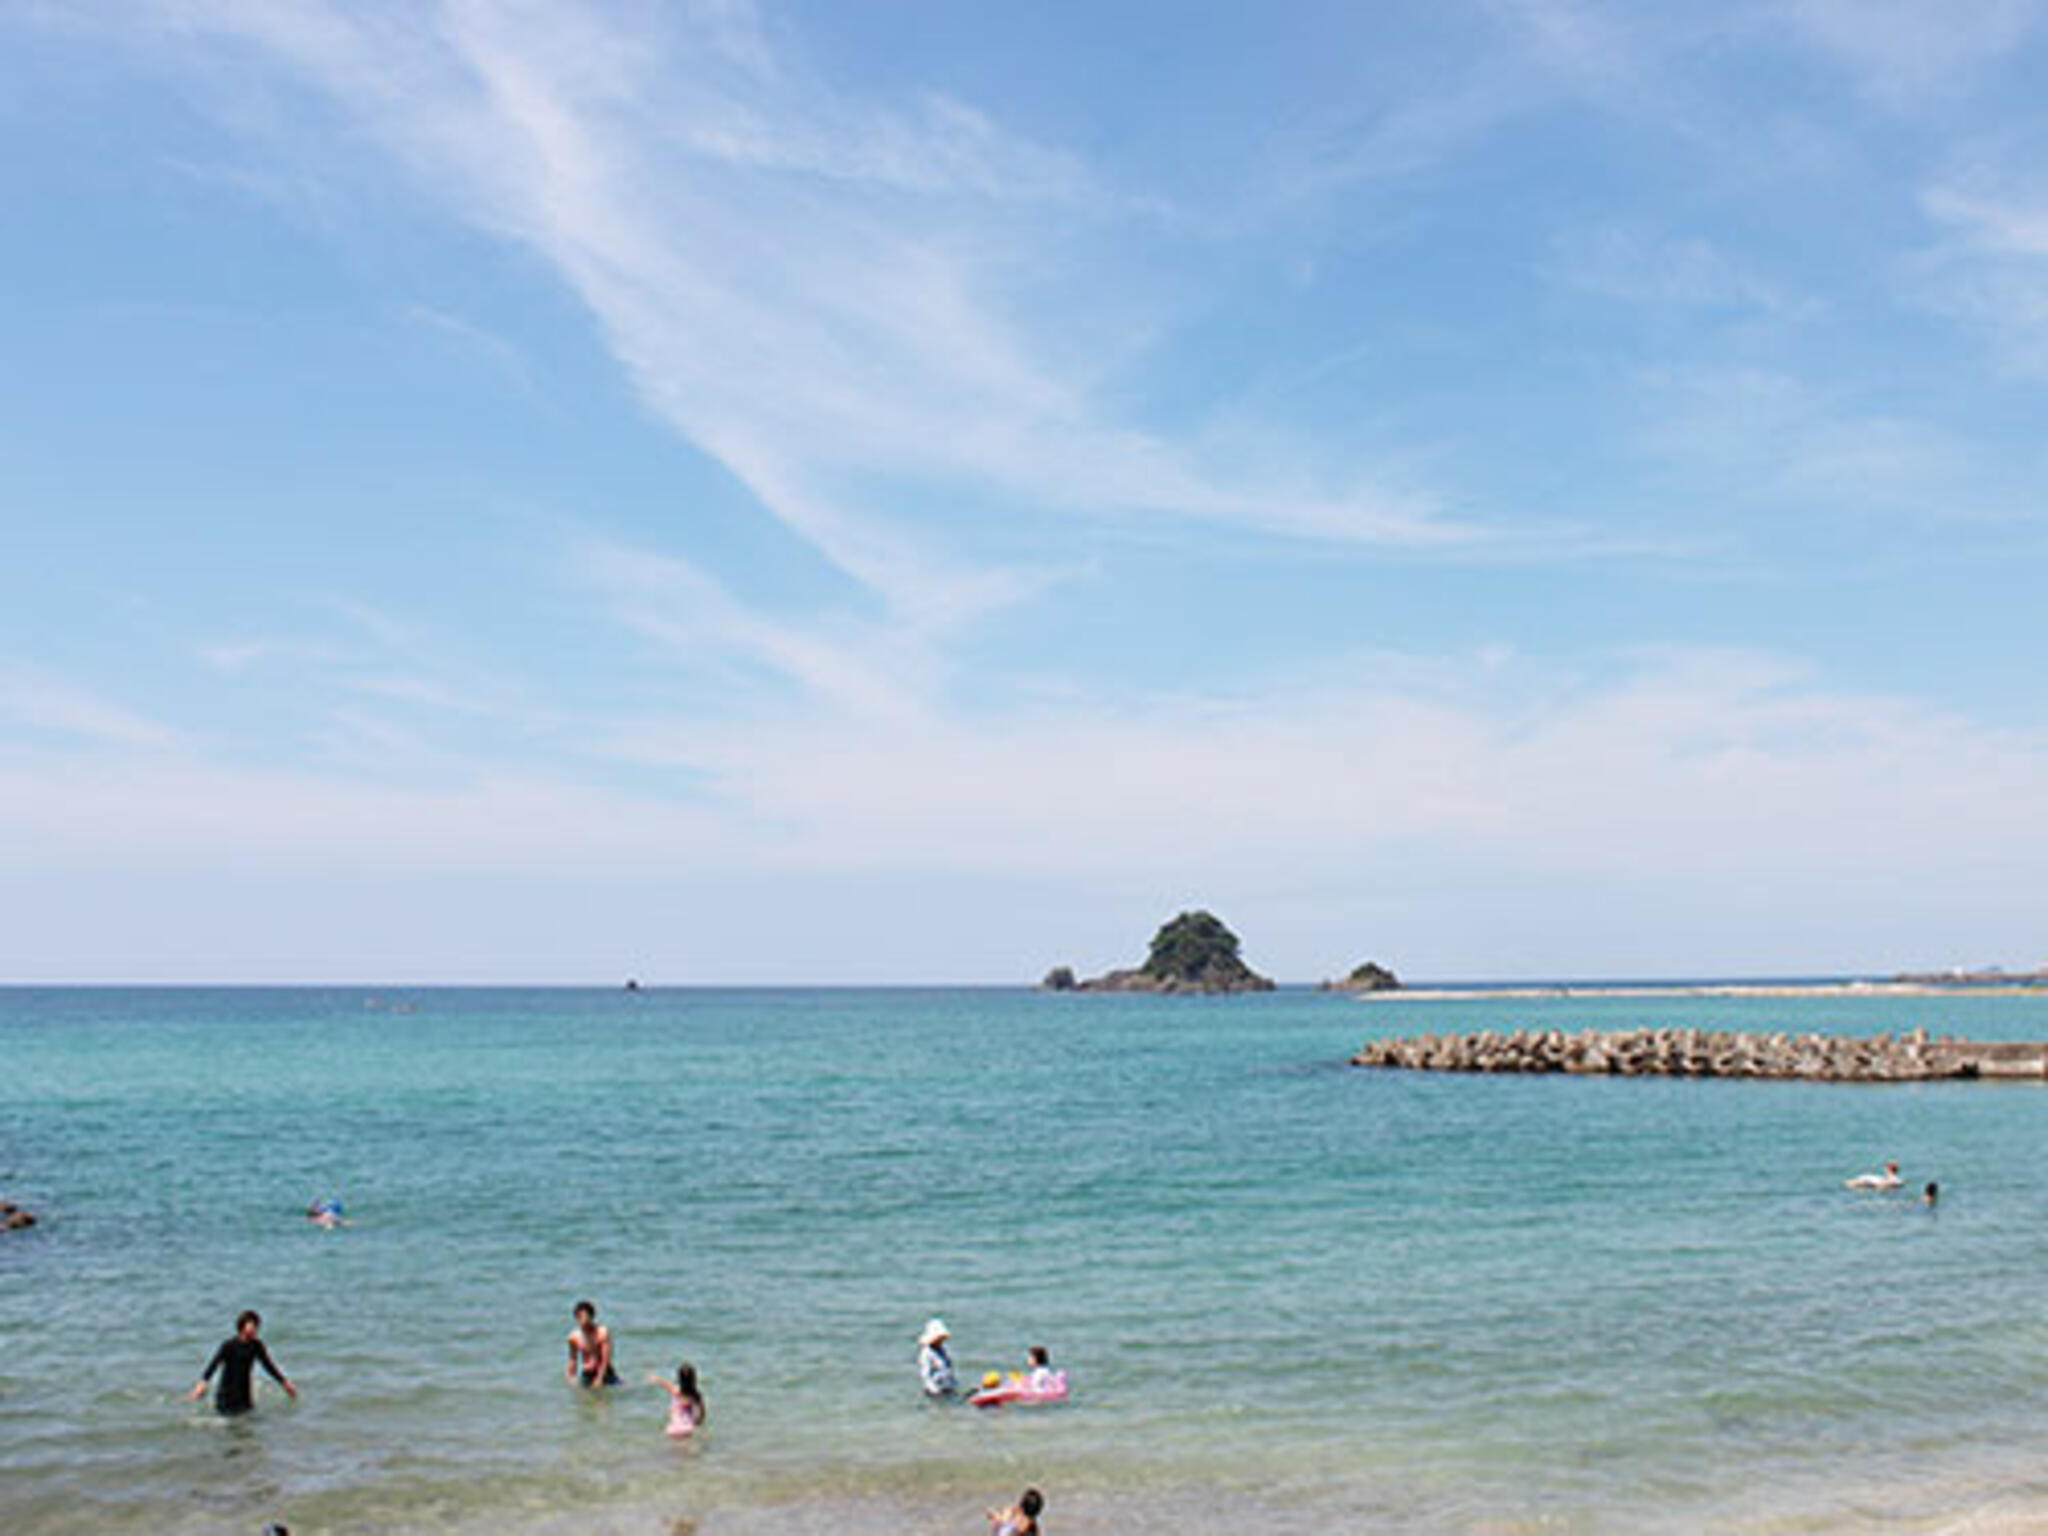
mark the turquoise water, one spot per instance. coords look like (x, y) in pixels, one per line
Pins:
(1294, 1297)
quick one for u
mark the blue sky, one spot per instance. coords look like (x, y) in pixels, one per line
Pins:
(726, 492)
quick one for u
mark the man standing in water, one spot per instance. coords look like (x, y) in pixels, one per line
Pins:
(236, 1361)
(590, 1350)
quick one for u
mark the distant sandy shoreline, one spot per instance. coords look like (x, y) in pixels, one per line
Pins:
(1709, 989)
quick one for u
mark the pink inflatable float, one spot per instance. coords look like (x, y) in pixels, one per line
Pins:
(1023, 1392)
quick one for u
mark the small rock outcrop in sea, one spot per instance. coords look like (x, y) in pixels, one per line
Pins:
(1194, 953)
(1366, 976)
(1059, 979)
(1908, 1058)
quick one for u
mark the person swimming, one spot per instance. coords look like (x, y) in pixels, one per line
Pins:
(1020, 1519)
(1889, 1179)
(326, 1213)
(686, 1410)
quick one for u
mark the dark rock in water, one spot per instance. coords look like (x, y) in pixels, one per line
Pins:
(1367, 976)
(1059, 979)
(1194, 953)
(632, 984)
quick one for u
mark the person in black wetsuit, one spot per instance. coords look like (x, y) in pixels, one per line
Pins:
(236, 1361)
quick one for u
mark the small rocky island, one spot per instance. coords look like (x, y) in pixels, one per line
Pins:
(1366, 976)
(1194, 953)
(1907, 1058)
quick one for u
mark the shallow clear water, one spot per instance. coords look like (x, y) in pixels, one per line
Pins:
(1294, 1297)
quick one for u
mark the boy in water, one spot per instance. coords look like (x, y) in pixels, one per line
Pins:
(236, 1361)
(590, 1350)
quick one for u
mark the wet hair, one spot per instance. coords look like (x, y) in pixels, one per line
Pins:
(586, 1307)
(1037, 1355)
(1032, 1502)
(686, 1381)
(246, 1319)
(1933, 1191)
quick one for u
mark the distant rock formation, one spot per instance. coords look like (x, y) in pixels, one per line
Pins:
(1194, 953)
(1905, 1058)
(1367, 976)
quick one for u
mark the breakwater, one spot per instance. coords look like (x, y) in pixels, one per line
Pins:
(1911, 1057)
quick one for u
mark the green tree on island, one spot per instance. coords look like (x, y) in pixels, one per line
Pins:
(1195, 946)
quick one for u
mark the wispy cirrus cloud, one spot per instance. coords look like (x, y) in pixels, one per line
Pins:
(1988, 267)
(1640, 266)
(495, 350)
(861, 670)
(816, 289)
(33, 699)
(1911, 53)
(1764, 442)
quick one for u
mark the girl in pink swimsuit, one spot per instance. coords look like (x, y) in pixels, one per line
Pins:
(686, 1410)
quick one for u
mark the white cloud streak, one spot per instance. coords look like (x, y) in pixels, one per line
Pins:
(1704, 761)
(1911, 54)
(1457, 781)
(1988, 268)
(1680, 272)
(33, 699)
(810, 287)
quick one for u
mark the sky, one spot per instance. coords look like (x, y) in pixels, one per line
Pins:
(892, 492)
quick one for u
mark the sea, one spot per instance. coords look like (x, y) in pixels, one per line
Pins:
(1293, 1297)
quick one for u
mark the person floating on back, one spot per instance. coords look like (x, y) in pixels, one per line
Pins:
(326, 1212)
(590, 1350)
(1889, 1179)
(236, 1361)
(934, 1365)
(1020, 1519)
(686, 1410)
